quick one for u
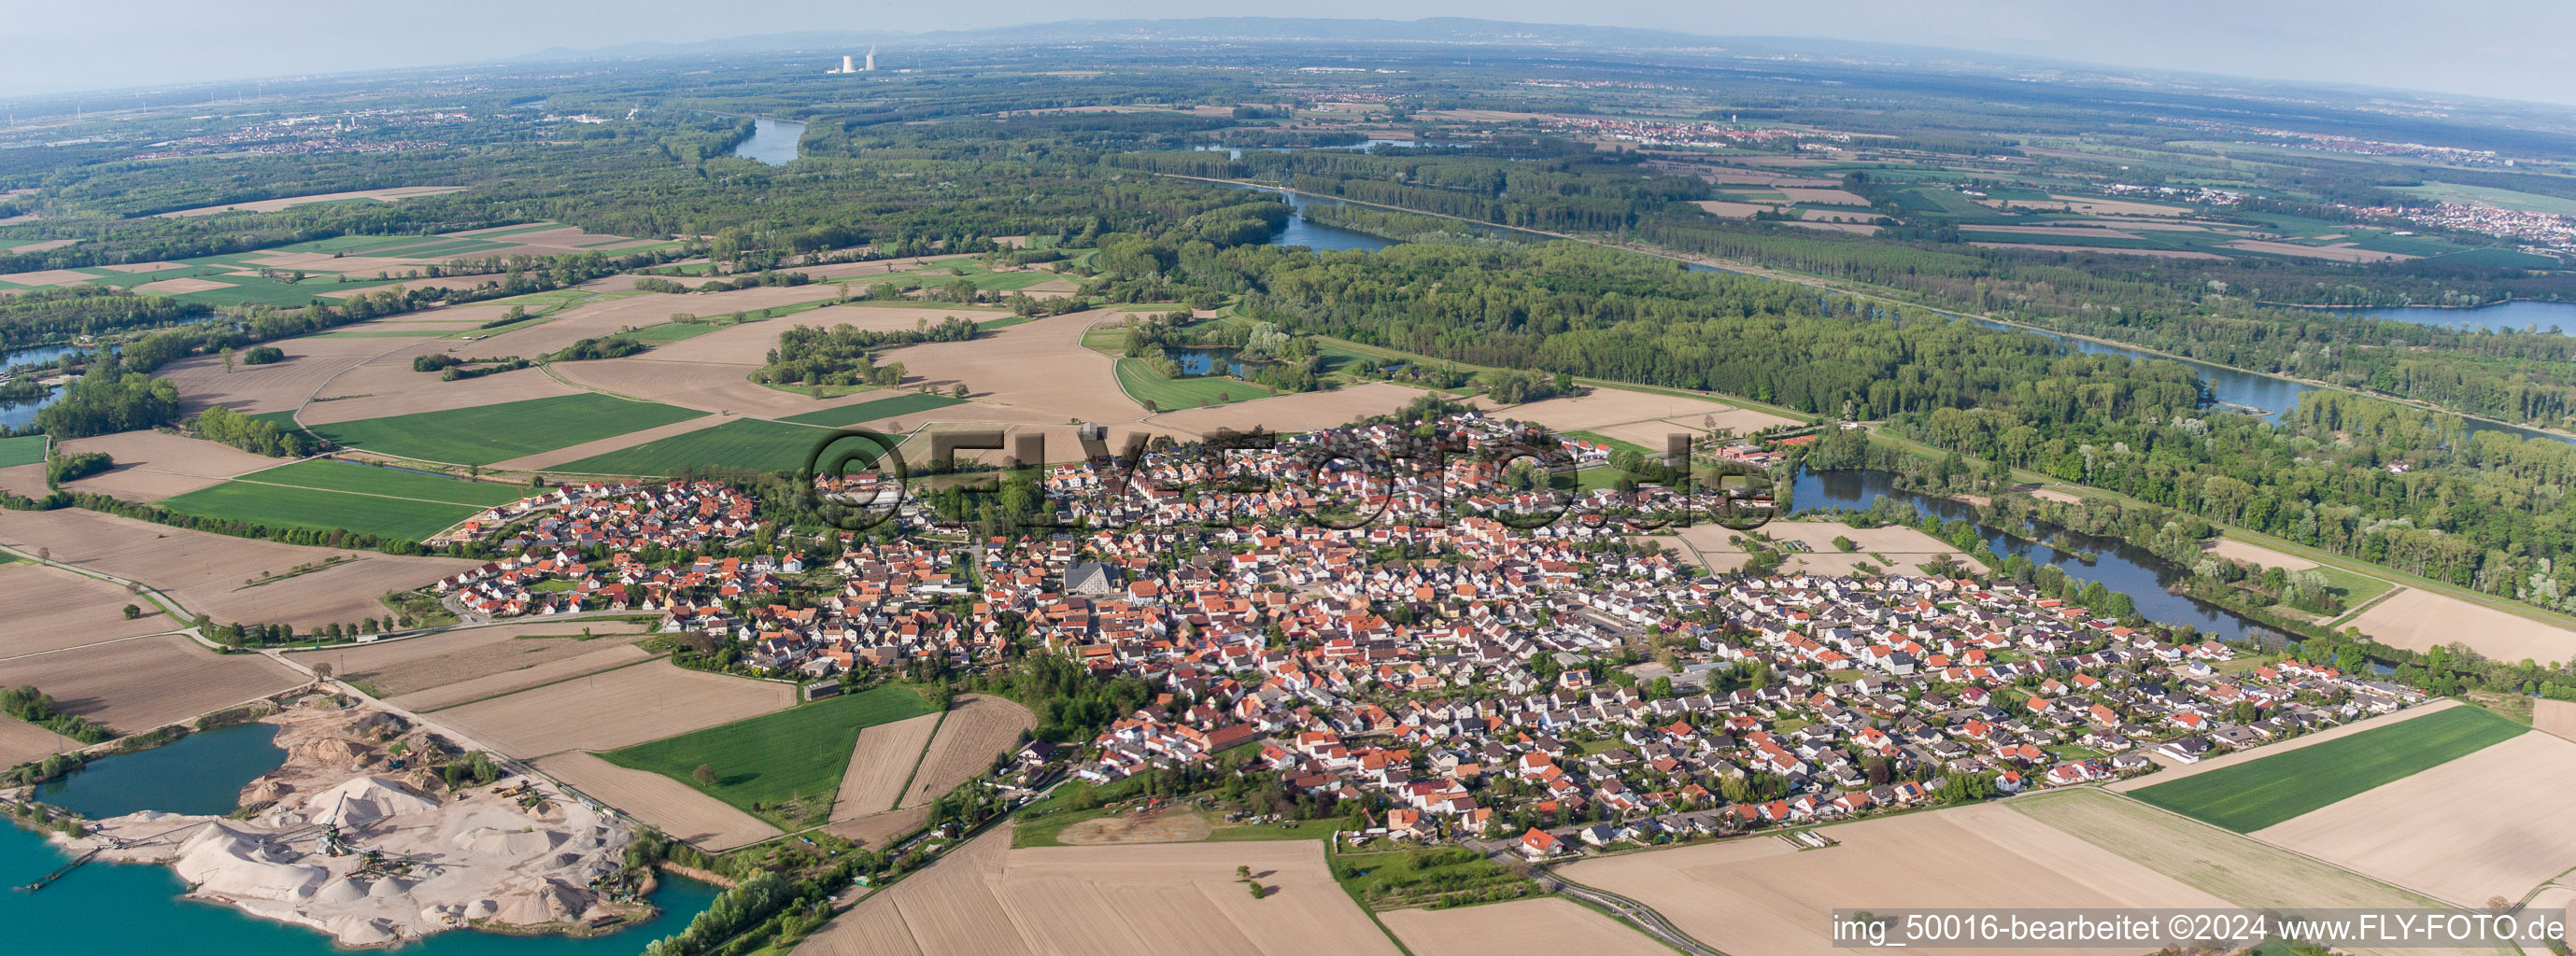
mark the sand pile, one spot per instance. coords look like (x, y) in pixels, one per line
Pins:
(413, 857)
(358, 803)
(228, 862)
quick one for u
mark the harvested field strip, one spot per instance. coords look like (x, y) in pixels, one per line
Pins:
(2240, 870)
(882, 764)
(2422, 833)
(909, 404)
(544, 669)
(21, 742)
(136, 685)
(2554, 716)
(618, 708)
(773, 759)
(280, 506)
(1519, 926)
(2250, 796)
(669, 805)
(329, 475)
(50, 608)
(484, 434)
(978, 727)
(745, 444)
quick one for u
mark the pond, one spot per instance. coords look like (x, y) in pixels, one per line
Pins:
(200, 774)
(1205, 361)
(2119, 565)
(772, 141)
(140, 908)
(23, 413)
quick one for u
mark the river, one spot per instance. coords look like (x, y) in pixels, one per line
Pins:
(772, 141)
(2119, 565)
(138, 908)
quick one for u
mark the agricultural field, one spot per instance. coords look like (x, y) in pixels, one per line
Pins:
(2259, 793)
(773, 760)
(564, 659)
(484, 434)
(279, 506)
(226, 578)
(2419, 832)
(21, 742)
(743, 444)
(395, 194)
(2170, 770)
(23, 450)
(1304, 411)
(882, 764)
(50, 609)
(464, 655)
(1039, 366)
(1762, 895)
(1545, 925)
(152, 465)
(2240, 870)
(1159, 899)
(978, 728)
(137, 685)
(2420, 620)
(908, 403)
(618, 708)
(672, 807)
(382, 482)
(2554, 716)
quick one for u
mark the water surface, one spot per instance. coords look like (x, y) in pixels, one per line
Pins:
(772, 141)
(201, 774)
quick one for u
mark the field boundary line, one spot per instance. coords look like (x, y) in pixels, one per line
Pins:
(551, 683)
(2329, 864)
(113, 640)
(917, 760)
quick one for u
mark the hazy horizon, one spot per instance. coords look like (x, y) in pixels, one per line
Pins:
(2485, 48)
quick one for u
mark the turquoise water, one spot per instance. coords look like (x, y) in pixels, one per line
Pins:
(137, 908)
(201, 774)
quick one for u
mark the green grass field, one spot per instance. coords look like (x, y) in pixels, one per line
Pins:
(905, 404)
(327, 475)
(2258, 793)
(1168, 394)
(22, 451)
(747, 444)
(776, 758)
(278, 506)
(670, 332)
(485, 434)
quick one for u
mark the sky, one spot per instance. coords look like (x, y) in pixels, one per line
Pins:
(2507, 49)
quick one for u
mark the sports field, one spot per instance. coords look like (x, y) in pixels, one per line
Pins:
(2259, 793)
(280, 506)
(904, 404)
(27, 450)
(774, 758)
(329, 475)
(748, 444)
(485, 434)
